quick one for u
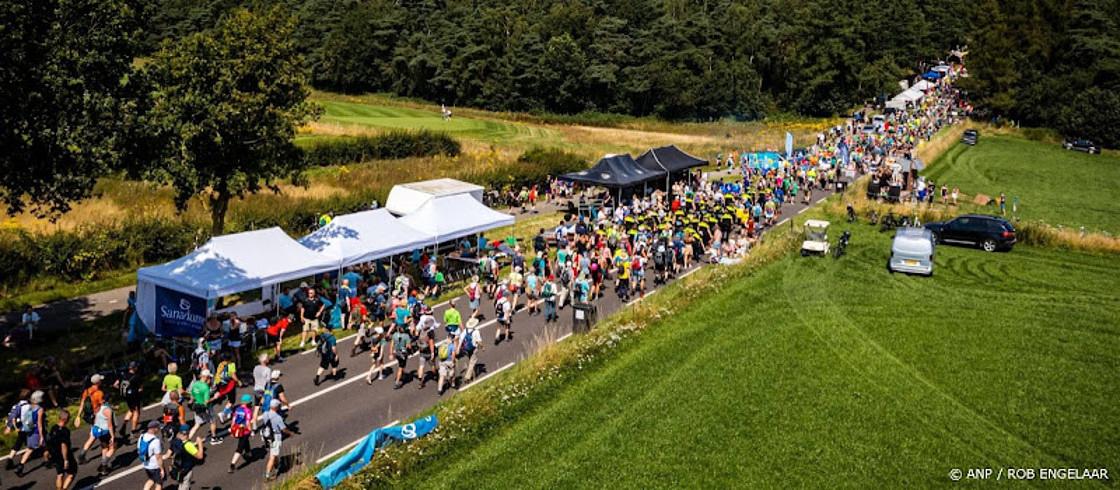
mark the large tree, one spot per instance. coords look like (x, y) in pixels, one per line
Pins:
(226, 104)
(64, 76)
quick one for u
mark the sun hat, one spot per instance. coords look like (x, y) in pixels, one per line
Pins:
(204, 374)
(472, 323)
(276, 374)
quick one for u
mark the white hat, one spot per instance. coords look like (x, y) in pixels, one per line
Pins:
(274, 403)
(276, 374)
(96, 378)
(204, 374)
(37, 397)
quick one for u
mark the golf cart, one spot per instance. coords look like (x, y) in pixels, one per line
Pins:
(816, 238)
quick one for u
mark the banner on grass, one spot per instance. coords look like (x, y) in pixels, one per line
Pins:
(764, 160)
(789, 145)
(362, 454)
(178, 314)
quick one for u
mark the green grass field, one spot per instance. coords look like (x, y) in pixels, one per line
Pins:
(1053, 185)
(824, 373)
(387, 117)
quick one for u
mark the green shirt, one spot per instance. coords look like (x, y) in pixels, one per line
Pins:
(452, 317)
(173, 382)
(200, 391)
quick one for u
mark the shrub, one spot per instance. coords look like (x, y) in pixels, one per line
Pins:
(391, 145)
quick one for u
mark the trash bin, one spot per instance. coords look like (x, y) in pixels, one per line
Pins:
(583, 317)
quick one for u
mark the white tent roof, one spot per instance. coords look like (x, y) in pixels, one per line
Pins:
(407, 198)
(910, 94)
(923, 85)
(896, 104)
(365, 236)
(448, 218)
(239, 262)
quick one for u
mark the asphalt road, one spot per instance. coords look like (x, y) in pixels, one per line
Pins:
(334, 415)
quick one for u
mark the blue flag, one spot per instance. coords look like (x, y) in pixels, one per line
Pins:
(360, 456)
(789, 145)
(845, 153)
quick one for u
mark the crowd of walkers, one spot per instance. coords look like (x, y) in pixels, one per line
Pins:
(620, 248)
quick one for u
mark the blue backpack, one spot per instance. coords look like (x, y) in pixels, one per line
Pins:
(468, 341)
(13, 421)
(142, 448)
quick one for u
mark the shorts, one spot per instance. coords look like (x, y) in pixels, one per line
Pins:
(310, 325)
(154, 475)
(214, 345)
(402, 360)
(235, 344)
(134, 403)
(203, 415)
(446, 369)
(104, 436)
(61, 469)
(328, 362)
(503, 321)
(473, 304)
(21, 440)
(243, 446)
(274, 447)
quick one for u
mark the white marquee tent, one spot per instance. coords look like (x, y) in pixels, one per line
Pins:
(225, 265)
(407, 198)
(365, 236)
(923, 85)
(451, 217)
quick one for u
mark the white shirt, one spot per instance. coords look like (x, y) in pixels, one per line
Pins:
(155, 447)
(261, 376)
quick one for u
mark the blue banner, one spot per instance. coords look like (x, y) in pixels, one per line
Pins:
(789, 145)
(178, 314)
(845, 153)
(766, 160)
(361, 455)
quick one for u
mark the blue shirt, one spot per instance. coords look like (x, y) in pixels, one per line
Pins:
(354, 278)
(345, 293)
(284, 300)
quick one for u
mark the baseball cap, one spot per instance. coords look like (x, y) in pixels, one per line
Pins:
(185, 428)
(204, 374)
(276, 374)
(246, 398)
(274, 403)
(153, 425)
(96, 378)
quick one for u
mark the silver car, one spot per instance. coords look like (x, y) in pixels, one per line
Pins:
(912, 251)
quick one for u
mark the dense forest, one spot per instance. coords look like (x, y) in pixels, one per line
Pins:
(1049, 63)
(693, 59)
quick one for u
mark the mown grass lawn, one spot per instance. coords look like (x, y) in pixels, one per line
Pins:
(824, 373)
(1054, 185)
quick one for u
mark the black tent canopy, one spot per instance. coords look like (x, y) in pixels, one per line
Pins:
(616, 171)
(670, 159)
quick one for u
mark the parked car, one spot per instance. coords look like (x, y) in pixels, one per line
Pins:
(970, 136)
(912, 251)
(1082, 145)
(990, 233)
(879, 121)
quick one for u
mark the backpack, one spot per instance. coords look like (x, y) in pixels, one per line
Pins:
(170, 413)
(446, 351)
(27, 418)
(14, 420)
(400, 345)
(269, 394)
(239, 427)
(324, 347)
(223, 372)
(264, 427)
(142, 447)
(468, 341)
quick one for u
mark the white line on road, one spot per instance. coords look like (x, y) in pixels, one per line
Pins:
(802, 210)
(352, 444)
(821, 199)
(780, 223)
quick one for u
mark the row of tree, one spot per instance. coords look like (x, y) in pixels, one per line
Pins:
(213, 113)
(679, 59)
(1051, 63)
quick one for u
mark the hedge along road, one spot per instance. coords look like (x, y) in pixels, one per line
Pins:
(330, 417)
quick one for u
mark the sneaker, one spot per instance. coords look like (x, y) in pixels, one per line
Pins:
(397, 385)
(301, 344)
(19, 470)
(214, 441)
(316, 380)
(232, 468)
(82, 457)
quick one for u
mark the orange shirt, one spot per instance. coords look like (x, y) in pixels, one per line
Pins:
(95, 397)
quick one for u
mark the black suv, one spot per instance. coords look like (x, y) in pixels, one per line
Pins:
(970, 136)
(1082, 145)
(988, 232)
